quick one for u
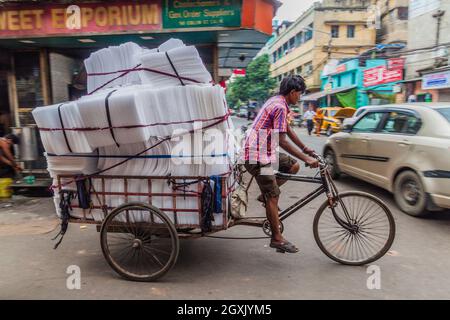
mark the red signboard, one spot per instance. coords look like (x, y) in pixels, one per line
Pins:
(396, 63)
(239, 72)
(104, 17)
(381, 75)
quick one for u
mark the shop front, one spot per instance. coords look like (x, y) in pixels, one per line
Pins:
(42, 47)
(434, 87)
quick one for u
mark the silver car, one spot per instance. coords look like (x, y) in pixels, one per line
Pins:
(402, 148)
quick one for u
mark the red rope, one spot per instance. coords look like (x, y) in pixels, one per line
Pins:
(137, 68)
(129, 126)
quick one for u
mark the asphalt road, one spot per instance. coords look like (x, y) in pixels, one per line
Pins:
(417, 267)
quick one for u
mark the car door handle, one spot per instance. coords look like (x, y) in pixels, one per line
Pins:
(404, 143)
(365, 139)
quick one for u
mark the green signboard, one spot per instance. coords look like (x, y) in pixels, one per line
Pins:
(201, 13)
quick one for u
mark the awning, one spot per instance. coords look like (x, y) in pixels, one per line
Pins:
(317, 95)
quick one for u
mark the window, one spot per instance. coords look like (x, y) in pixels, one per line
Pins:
(369, 122)
(339, 81)
(353, 78)
(350, 31)
(292, 43)
(308, 68)
(359, 112)
(445, 112)
(299, 70)
(274, 57)
(335, 31)
(309, 32)
(401, 123)
(285, 48)
(402, 13)
(280, 52)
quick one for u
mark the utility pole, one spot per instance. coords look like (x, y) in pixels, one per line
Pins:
(438, 15)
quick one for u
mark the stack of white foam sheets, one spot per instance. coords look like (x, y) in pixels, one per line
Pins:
(122, 112)
(54, 140)
(71, 164)
(194, 156)
(186, 61)
(136, 113)
(112, 59)
(169, 111)
(153, 162)
(103, 65)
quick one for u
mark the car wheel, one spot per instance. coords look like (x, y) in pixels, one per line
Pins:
(329, 131)
(410, 194)
(330, 157)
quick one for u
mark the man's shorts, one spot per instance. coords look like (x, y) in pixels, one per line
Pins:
(265, 177)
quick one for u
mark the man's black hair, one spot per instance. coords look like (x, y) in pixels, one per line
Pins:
(292, 82)
(15, 139)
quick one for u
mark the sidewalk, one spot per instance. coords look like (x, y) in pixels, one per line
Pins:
(27, 216)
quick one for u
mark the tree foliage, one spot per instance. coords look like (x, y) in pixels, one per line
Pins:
(257, 85)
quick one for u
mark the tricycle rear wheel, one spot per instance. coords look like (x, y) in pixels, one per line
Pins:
(139, 242)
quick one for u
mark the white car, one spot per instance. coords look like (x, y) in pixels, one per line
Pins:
(404, 149)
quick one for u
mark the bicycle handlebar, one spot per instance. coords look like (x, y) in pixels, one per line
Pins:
(322, 161)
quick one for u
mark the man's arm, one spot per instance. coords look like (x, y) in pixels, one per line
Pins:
(8, 158)
(6, 161)
(286, 145)
(8, 154)
(296, 140)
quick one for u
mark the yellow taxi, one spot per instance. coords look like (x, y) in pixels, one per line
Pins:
(333, 118)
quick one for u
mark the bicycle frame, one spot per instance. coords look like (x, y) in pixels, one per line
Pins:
(305, 200)
(327, 186)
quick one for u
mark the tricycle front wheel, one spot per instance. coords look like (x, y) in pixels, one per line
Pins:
(139, 242)
(364, 233)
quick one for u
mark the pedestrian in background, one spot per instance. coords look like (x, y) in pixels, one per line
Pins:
(309, 117)
(8, 167)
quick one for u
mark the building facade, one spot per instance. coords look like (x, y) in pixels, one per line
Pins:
(428, 71)
(333, 29)
(393, 20)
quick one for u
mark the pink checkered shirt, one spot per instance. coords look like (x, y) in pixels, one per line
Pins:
(262, 140)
